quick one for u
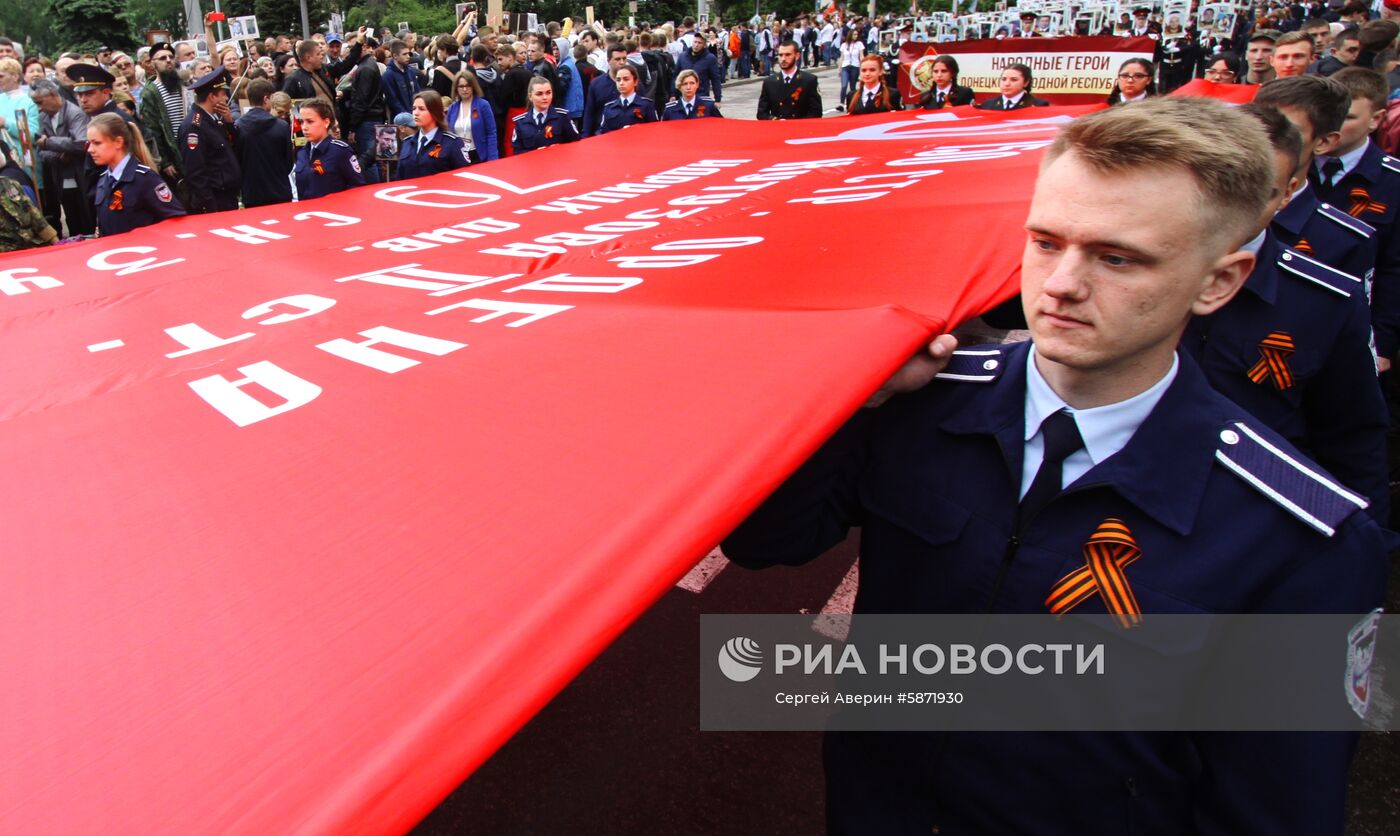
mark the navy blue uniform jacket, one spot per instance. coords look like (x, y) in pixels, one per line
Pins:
(616, 117)
(1328, 402)
(527, 136)
(444, 152)
(703, 107)
(933, 479)
(1371, 193)
(140, 198)
(329, 167)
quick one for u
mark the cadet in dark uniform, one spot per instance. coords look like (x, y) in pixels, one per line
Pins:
(541, 126)
(872, 95)
(1294, 347)
(690, 105)
(980, 492)
(1364, 181)
(433, 149)
(206, 140)
(945, 89)
(1015, 84)
(1318, 107)
(130, 194)
(628, 108)
(789, 93)
(324, 165)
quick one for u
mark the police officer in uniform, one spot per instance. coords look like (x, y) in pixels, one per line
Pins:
(206, 140)
(628, 108)
(541, 126)
(130, 193)
(991, 489)
(324, 165)
(1294, 347)
(689, 105)
(93, 88)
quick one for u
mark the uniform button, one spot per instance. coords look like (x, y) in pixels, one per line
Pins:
(990, 364)
(1288, 256)
(1325, 206)
(1230, 437)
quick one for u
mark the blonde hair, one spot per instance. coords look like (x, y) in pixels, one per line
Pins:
(10, 65)
(1225, 152)
(113, 126)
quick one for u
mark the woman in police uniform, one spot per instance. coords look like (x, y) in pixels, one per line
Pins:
(130, 194)
(628, 108)
(324, 165)
(433, 149)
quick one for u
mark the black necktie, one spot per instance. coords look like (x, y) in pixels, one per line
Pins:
(787, 80)
(1062, 438)
(940, 97)
(869, 100)
(689, 110)
(539, 119)
(1330, 170)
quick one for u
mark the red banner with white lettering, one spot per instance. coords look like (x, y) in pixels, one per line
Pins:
(311, 506)
(1065, 71)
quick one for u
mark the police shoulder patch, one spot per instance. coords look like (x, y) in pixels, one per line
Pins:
(355, 163)
(1286, 478)
(980, 364)
(192, 141)
(163, 193)
(559, 110)
(1341, 218)
(1297, 264)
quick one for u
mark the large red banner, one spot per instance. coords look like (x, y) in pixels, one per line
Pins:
(312, 506)
(1072, 70)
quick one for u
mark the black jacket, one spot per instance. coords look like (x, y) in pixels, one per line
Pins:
(1027, 100)
(365, 101)
(802, 100)
(959, 95)
(266, 155)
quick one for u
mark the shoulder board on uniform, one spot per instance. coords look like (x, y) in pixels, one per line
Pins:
(342, 143)
(643, 99)
(670, 105)
(559, 110)
(1341, 218)
(449, 133)
(710, 99)
(982, 364)
(1312, 270)
(1293, 483)
(521, 116)
(141, 169)
(1390, 162)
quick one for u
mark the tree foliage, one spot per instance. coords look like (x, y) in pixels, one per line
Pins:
(87, 24)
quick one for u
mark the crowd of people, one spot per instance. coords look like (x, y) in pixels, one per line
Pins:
(285, 119)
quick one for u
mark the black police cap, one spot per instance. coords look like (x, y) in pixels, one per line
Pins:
(208, 83)
(87, 78)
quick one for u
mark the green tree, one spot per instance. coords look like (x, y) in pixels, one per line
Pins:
(283, 17)
(86, 24)
(143, 15)
(29, 25)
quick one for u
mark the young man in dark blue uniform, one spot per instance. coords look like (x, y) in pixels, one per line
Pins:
(1294, 346)
(206, 141)
(979, 493)
(1317, 107)
(541, 125)
(1360, 178)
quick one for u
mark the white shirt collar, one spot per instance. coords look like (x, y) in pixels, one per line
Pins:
(120, 168)
(426, 136)
(1014, 100)
(946, 91)
(1254, 245)
(871, 90)
(1139, 97)
(790, 75)
(1105, 429)
(1350, 160)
